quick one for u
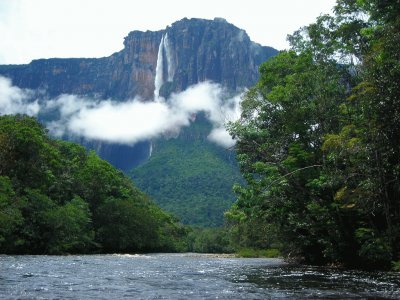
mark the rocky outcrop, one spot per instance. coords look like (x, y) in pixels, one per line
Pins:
(193, 50)
(214, 50)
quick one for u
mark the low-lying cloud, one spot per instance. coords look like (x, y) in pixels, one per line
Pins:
(14, 100)
(131, 121)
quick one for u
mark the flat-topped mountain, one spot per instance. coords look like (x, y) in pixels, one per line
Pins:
(191, 51)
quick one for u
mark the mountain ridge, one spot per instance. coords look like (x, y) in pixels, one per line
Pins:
(212, 50)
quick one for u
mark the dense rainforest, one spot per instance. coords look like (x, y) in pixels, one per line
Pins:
(319, 143)
(55, 197)
(197, 176)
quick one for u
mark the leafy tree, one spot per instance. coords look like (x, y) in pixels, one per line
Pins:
(125, 227)
(23, 151)
(36, 230)
(57, 198)
(367, 144)
(280, 136)
(209, 240)
(318, 141)
(10, 214)
(70, 228)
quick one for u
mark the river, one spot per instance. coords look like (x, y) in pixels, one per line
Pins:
(183, 276)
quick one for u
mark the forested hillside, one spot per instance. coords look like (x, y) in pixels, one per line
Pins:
(319, 143)
(57, 198)
(190, 176)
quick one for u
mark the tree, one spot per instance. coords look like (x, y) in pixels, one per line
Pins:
(125, 226)
(70, 228)
(24, 153)
(318, 139)
(280, 135)
(57, 198)
(10, 215)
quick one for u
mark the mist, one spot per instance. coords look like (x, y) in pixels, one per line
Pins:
(14, 100)
(131, 121)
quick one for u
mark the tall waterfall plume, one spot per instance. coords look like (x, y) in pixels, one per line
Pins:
(159, 80)
(150, 149)
(163, 49)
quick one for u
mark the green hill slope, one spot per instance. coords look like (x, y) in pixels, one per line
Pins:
(55, 198)
(190, 176)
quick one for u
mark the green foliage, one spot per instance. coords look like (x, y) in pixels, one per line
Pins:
(280, 137)
(250, 252)
(10, 213)
(125, 226)
(396, 266)
(319, 143)
(71, 230)
(56, 198)
(209, 240)
(23, 155)
(374, 249)
(197, 176)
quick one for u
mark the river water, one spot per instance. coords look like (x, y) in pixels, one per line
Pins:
(183, 276)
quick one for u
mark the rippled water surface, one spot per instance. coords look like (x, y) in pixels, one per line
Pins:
(183, 276)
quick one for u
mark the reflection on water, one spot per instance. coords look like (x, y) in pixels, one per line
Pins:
(183, 276)
(323, 283)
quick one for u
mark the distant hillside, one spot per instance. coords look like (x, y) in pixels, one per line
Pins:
(190, 176)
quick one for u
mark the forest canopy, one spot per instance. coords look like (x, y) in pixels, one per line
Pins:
(319, 142)
(55, 197)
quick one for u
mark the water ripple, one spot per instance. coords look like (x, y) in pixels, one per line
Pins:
(183, 276)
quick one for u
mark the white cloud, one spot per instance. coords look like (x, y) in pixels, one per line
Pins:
(14, 100)
(221, 137)
(69, 105)
(127, 122)
(229, 112)
(134, 121)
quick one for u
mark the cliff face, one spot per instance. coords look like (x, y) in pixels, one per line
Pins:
(185, 53)
(214, 50)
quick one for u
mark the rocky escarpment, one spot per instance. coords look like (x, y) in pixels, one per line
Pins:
(191, 51)
(214, 50)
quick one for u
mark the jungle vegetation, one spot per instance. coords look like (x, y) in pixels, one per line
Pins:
(319, 143)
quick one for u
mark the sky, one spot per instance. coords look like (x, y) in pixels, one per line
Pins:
(33, 29)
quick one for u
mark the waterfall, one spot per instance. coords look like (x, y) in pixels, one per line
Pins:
(151, 149)
(168, 54)
(158, 81)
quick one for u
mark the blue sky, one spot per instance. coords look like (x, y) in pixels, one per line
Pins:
(32, 29)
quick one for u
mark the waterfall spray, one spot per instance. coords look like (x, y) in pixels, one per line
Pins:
(159, 79)
(150, 149)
